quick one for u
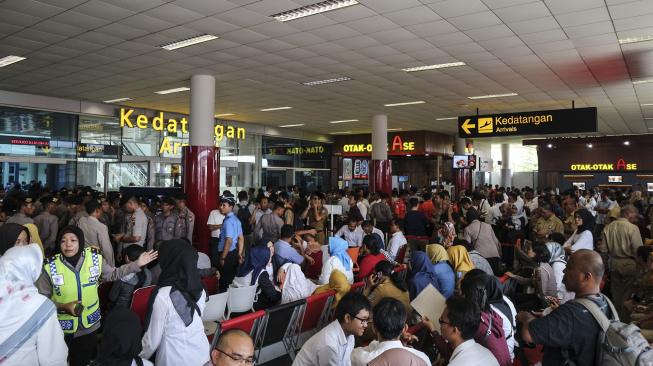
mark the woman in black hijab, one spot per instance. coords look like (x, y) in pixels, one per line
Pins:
(174, 328)
(11, 235)
(121, 340)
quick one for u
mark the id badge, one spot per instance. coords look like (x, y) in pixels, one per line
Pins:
(95, 272)
(57, 280)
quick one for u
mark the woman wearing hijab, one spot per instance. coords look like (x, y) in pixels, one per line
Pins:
(121, 340)
(372, 245)
(490, 333)
(339, 259)
(447, 234)
(442, 269)
(12, 235)
(558, 263)
(460, 260)
(294, 285)
(338, 283)
(70, 279)
(174, 328)
(421, 274)
(254, 272)
(29, 331)
(582, 238)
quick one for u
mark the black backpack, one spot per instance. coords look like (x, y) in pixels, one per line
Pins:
(244, 215)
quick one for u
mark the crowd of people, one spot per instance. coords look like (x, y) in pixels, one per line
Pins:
(523, 273)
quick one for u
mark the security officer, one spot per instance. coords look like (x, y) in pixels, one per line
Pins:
(23, 213)
(48, 223)
(77, 210)
(71, 279)
(168, 224)
(186, 216)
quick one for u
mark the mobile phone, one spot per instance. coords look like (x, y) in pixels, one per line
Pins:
(78, 309)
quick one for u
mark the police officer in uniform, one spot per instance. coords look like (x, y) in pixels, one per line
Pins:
(168, 224)
(77, 210)
(23, 213)
(186, 216)
(48, 223)
(71, 279)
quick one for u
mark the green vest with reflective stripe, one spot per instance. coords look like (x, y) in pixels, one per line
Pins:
(69, 285)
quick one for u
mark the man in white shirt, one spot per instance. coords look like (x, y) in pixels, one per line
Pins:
(389, 323)
(215, 224)
(397, 239)
(458, 324)
(334, 343)
(352, 233)
(368, 229)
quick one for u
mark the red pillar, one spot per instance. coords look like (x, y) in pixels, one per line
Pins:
(462, 181)
(201, 171)
(381, 176)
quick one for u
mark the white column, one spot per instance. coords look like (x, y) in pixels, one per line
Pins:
(506, 173)
(380, 137)
(202, 109)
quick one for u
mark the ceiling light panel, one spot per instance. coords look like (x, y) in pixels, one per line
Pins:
(309, 10)
(327, 81)
(274, 109)
(174, 90)
(433, 67)
(295, 125)
(404, 103)
(493, 96)
(642, 82)
(642, 38)
(188, 42)
(344, 121)
(8, 60)
(225, 115)
(117, 100)
(445, 118)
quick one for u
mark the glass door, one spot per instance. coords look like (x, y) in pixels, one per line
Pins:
(120, 174)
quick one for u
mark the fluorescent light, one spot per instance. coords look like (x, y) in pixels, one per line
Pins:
(175, 90)
(445, 118)
(340, 133)
(627, 143)
(648, 117)
(646, 104)
(394, 129)
(344, 121)
(408, 155)
(494, 96)
(224, 114)
(327, 81)
(433, 67)
(642, 82)
(309, 10)
(404, 103)
(550, 146)
(8, 60)
(296, 125)
(188, 42)
(274, 109)
(117, 100)
(636, 39)
(590, 145)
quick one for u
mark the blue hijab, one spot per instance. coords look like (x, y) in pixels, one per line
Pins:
(338, 248)
(256, 261)
(422, 274)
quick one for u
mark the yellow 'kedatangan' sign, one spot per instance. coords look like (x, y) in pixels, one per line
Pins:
(172, 125)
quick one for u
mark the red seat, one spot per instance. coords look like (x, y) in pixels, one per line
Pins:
(251, 324)
(353, 254)
(401, 254)
(400, 268)
(140, 299)
(357, 287)
(210, 285)
(314, 270)
(317, 310)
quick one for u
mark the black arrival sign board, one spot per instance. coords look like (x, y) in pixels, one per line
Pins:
(529, 123)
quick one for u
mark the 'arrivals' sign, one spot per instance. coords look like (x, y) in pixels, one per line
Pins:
(529, 123)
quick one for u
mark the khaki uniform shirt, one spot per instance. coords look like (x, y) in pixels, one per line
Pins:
(20, 219)
(48, 225)
(187, 217)
(168, 227)
(75, 220)
(544, 227)
(96, 234)
(622, 238)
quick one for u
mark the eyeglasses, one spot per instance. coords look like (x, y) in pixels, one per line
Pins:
(363, 321)
(238, 358)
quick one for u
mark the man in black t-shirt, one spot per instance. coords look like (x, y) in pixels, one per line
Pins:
(570, 328)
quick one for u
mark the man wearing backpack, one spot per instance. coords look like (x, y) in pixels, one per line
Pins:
(243, 211)
(572, 332)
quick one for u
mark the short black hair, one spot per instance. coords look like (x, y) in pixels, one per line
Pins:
(444, 194)
(542, 254)
(413, 202)
(366, 223)
(287, 231)
(472, 215)
(389, 318)
(373, 243)
(473, 289)
(464, 315)
(133, 252)
(462, 242)
(557, 237)
(278, 205)
(352, 303)
(91, 206)
(644, 252)
(353, 218)
(242, 195)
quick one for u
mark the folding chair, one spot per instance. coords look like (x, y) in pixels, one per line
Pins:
(140, 299)
(317, 311)
(240, 299)
(252, 324)
(283, 324)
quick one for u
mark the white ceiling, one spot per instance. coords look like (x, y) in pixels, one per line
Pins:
(549, 51)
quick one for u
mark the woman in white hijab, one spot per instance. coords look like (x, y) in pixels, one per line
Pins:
(558, 263)
(294, 285)
(29, 331)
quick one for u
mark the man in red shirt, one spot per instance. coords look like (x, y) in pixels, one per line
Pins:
(399, 207)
